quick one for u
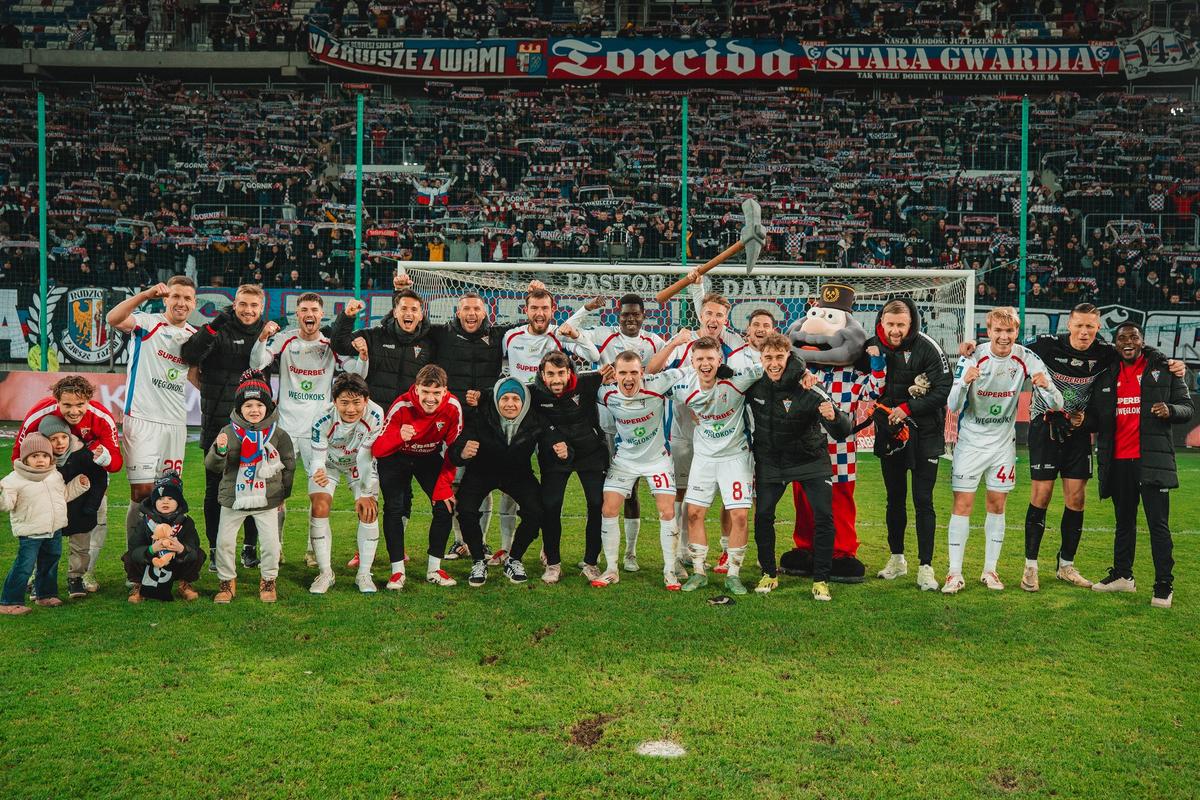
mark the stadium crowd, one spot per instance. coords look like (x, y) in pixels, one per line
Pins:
(158, 179)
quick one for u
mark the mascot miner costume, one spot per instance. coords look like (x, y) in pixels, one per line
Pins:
(832, 342)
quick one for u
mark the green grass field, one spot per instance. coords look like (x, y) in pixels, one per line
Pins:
(538, 691)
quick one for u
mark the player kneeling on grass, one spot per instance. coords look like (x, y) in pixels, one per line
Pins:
(496, 448)
(419, 428)
(721, 458)
(985, 394)
(341, 447)
(638, 407)
(36, 498)
(164, 547)
(1133, 405)
(257, 463)
(790, 423)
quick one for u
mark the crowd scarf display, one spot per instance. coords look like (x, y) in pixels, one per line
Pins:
(259, 461)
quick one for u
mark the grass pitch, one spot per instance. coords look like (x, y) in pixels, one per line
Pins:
(536, 691)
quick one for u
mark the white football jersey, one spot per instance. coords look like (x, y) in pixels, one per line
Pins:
(347, 448)
(306, 372)
(523, 351)
(987, 409)
(720, 431)
(156, 371)
(641, 422)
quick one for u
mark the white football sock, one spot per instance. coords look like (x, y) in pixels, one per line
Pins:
(632, 528)
(724, 544)
(368, 541)
(957, 532)
(96, 543)
(485, 516)
(434, 565)
(397, 566)
(668, 538)
(680, 520)
(320, 540)
(508, 521)
(610, 541)
(993, 532)
(736, 555)
(698, 554)
(1031, 562)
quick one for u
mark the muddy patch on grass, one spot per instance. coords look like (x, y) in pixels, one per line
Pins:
(587, 733)
(1005, 780)
(543, 632)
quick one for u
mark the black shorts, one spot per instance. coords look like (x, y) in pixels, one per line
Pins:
(1050, 460)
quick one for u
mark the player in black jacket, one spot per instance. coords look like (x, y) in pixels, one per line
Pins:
(917, 385)
(1058, 447)
(568, 402)
(496, 447)
(395, 349)
(789, 444)
(221, 349)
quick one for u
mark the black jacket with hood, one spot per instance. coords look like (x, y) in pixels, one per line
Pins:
(574, 415)
(917, 354)
(222, 353)
(1157, 443)
(789, 433)
(395, 357)
(473, 361)
(498, 453)
(185, 565)
(82, 512)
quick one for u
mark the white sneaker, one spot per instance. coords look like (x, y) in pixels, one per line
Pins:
(631, 564)
(89, 583)
(396, 582)
(1029, 579)
(681, 569)
(992, 581)
(439, 577)
(954, 584)
(925, 580)
(592, 573)
(896, 567)
(607, 579)
(553, 574)
(672, 582)
(310, 559)
(365, 584)
(322, 583)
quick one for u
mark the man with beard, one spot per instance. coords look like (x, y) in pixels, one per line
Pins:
(155, 423)
(915, 391)
(221, 352)
(1058, 447)
(1133, 405)
(307, 365)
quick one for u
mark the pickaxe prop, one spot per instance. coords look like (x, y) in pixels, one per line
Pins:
(753, 237)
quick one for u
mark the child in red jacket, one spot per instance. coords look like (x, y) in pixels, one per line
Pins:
(417, 433)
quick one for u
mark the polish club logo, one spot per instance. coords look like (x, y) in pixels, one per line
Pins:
(84, 336)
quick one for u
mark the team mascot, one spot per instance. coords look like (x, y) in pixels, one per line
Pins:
(831, 341)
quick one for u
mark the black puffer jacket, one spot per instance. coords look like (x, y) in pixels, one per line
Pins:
(83, 510)
(1157, 444)
(917, 354)
(222, 354)
(789, 433)
(574, 415)
(471, 360)
(496, 453)
(395, 356)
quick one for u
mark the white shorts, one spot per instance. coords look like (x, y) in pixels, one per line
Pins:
(152, 448)
(996, 465)
(622, 475)
(681, 456)
(335, 473)
(734, 476)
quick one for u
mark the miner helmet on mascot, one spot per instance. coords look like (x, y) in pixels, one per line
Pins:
(832, 342)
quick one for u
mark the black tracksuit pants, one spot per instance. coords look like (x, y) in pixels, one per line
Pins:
(554, 489)
(396, 473)
(1125, 478)
(895, 483)
(819, 491)
(522, 487)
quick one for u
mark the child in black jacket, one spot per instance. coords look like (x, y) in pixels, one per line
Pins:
(146, 564)
(72, 459)
(497, 446)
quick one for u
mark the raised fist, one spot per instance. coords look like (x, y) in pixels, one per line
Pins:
(353, 307)
(360, 346)
(269, 330)
(470, 449)
(222, 440)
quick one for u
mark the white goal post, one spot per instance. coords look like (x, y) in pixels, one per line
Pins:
(946, 298)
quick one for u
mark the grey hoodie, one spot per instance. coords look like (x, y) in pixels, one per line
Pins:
(509, 427)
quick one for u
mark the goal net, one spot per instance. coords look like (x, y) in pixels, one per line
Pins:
(945, 298)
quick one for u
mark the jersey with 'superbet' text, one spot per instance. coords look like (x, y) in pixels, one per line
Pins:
(306, 372)
(987, 408)
(156, 371)
(1072, 371)
(642, 420)
(720, 419)
(523, 351)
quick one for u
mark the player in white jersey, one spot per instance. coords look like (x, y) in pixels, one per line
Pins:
(307, 364)
(639, 411)
(986, 393)
(627, 336)
(721, 456)
(341, 440)
(155, 425)
(760, 326)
